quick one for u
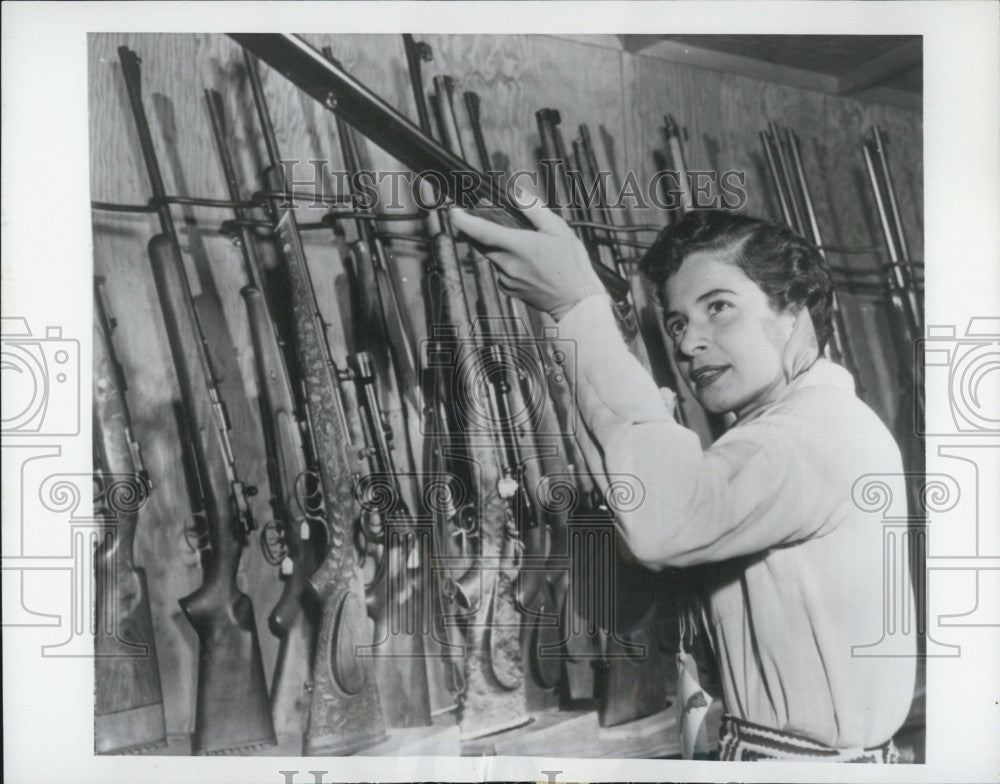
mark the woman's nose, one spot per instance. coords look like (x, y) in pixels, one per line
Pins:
(694, 340)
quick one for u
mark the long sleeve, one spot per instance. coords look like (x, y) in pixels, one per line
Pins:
(759, 486)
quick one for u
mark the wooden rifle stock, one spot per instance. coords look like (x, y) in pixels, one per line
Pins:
(233, 713)
(232, 706)
(128, 701)
(345, 713)
(299, 524)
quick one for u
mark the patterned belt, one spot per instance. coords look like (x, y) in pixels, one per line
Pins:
(743, 741)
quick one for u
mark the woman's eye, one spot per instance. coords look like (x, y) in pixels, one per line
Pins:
(719, 305)
(676, 328)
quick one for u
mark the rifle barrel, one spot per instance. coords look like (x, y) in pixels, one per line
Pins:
(414, 147)
(130, 64)
(673, 133)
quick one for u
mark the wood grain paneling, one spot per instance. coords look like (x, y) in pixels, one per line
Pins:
(621, 96)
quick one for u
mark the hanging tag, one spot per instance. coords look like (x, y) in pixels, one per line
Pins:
(694, 703)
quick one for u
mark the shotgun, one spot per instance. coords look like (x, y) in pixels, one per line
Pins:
(128, 701)
(232, 712)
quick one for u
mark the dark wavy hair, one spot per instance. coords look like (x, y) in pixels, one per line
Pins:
(788, 269)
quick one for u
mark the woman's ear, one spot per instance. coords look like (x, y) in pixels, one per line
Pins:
(802, 348)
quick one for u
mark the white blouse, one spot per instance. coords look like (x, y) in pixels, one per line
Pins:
(794, 568)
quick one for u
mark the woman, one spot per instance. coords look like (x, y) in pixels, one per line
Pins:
(794, 568)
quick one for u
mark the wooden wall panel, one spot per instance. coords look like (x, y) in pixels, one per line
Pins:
(622, 97)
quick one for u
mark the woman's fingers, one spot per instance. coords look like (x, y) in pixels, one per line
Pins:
(508, 265)
(505, 285)
(490, 233)
(544, 219)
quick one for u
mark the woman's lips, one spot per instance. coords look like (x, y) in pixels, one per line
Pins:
(707, 375)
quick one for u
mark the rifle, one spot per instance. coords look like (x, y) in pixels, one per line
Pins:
(903, 303)
(653, 338)
(781, 174)
(559, 658)
(288, 474)
(399, 592)
(781, 148)
(564, 195)
(672, 131)
(628, 687)
(345, 713)
(899, 278)
(414, 147)
(504, 394)
(390, 343)
(524, 461)
(128, 701)
(494, 697)
(232, 707)
(396, 596)
(372, 272)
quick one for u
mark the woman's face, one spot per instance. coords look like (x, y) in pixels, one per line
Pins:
(728, 340)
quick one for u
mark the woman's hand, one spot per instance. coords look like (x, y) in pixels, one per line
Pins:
(548, 269)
